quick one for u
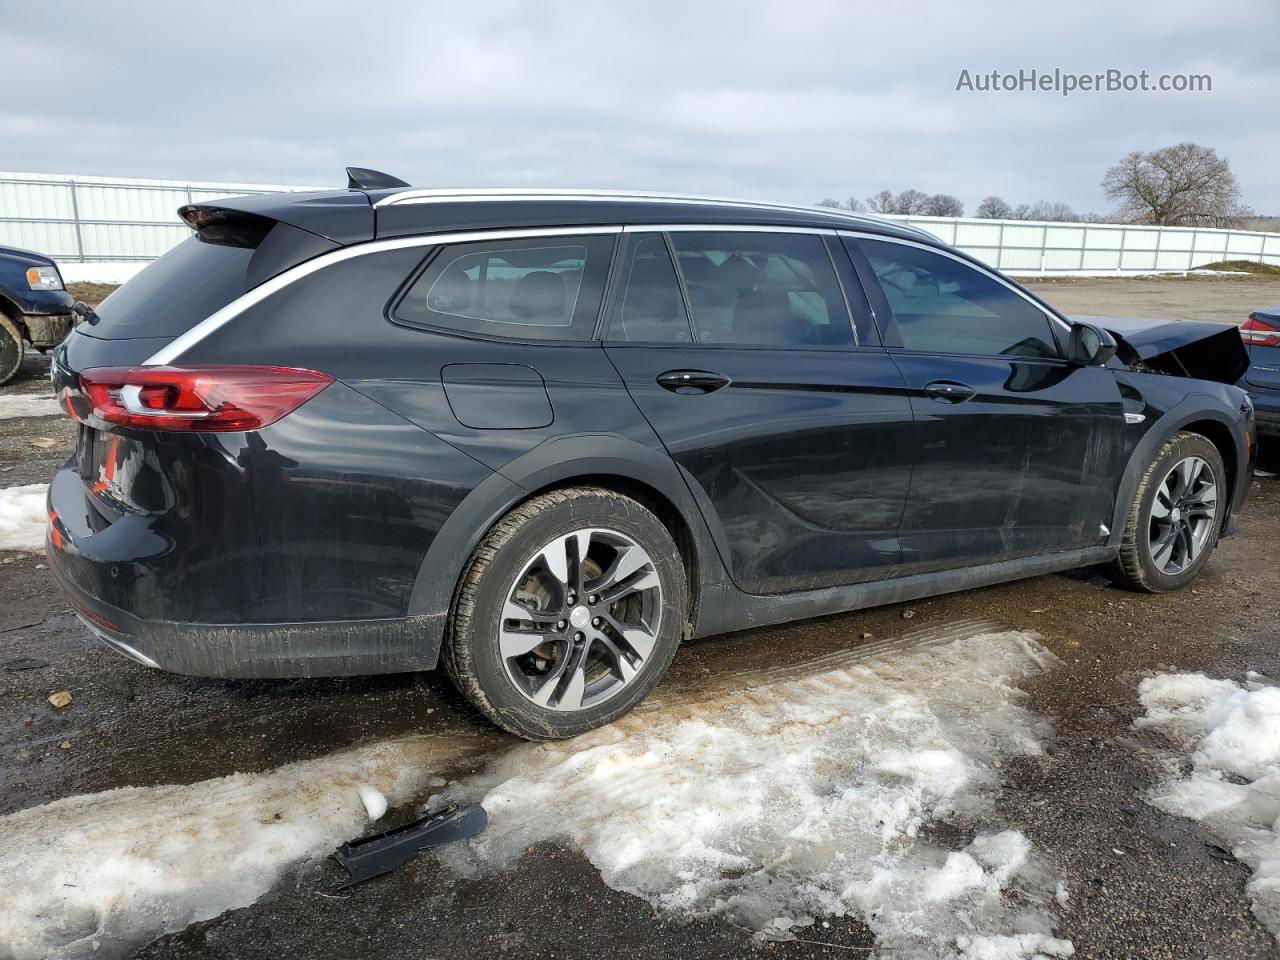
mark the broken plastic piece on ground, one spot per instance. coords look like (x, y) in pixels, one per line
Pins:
(25, 663)
(373, 856)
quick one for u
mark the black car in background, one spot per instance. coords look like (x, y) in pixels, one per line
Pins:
(35, 308)
(543, 436)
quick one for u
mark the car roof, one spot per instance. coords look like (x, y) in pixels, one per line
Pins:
(351, 216)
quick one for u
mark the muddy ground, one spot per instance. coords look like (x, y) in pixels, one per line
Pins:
(1142, 883)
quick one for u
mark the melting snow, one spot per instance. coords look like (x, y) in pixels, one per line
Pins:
(808, 795)
(22, 517)
(803, 798)
(23, 405)
(375, 804)
(96, 875)
(1231, 733)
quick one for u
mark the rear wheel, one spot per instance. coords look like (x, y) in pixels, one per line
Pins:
(568, 614)
(1175, 518)
(10, 349)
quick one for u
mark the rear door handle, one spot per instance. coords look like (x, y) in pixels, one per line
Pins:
(691, 381)
(949, 392)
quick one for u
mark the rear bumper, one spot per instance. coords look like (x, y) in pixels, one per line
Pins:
(320, 649)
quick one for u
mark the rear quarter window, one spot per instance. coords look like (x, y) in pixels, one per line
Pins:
(535, 288)
(174, 293)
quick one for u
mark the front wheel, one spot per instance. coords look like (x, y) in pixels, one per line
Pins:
(10, 349)
(568, 613)
(1176, 515)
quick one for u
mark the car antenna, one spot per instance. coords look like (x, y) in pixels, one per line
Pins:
(362, 178)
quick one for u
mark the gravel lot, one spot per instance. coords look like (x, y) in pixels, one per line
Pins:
(1222, 299)
(1136, 882)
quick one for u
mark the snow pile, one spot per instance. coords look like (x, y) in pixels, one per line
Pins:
(1231, 734)
(802, 798)
(99, 874)
(22, 517)
(15, 405)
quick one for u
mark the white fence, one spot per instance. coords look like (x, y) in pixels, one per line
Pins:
(104, 228)
(1034, 247)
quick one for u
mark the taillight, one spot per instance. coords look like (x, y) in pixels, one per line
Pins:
(1259, 332)
(204, 399)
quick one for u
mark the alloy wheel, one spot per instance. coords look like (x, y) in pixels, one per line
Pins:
(581, 619)
(1182, 515)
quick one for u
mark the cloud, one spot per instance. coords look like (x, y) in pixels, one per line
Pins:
(790, 102)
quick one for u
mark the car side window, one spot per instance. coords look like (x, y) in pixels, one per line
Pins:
(648, 307)
(762, 288)
(538, 288)
(942, 305)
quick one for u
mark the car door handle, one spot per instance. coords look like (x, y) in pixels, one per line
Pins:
(691, 381)
(949, 392)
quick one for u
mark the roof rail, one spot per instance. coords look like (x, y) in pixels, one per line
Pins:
(516, 194)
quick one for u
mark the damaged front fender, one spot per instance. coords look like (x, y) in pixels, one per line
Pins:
(1180, 348)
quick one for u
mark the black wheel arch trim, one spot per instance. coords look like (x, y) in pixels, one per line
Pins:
(559, 461)
(1192, 408)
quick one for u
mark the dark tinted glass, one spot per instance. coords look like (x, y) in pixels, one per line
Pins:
(172, 294)
(649, 307)
(773, 289)
(541, 288)
(945, 306)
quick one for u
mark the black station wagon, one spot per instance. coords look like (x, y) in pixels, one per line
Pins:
(542, 436)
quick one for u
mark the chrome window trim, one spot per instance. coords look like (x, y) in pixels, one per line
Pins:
(215, 321)
(982, 269)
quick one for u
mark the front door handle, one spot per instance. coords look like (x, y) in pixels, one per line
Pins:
(947, 391)
(691, 381)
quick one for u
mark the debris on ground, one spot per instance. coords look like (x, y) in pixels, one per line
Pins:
(25, 663)
(373, 856)
(60, 699)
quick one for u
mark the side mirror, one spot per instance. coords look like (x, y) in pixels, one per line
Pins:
(1090, 347)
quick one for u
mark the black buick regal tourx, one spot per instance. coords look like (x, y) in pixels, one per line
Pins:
(542, 436)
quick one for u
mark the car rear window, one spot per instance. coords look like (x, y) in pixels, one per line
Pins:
(172, 294)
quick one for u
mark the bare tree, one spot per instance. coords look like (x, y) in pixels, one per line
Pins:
(943, 205)
(911, 201)
(1182, 185)
(993, 208)
(1045, 210)
(882, 202)
(854, 205)
(828, 202)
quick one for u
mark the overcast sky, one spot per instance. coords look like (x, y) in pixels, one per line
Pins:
(790, 101)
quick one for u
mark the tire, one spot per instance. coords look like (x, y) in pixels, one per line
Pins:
(623, 635)
(11, 349)
(1156, 570)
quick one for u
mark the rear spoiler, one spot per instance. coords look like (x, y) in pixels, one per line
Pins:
(277, 244)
